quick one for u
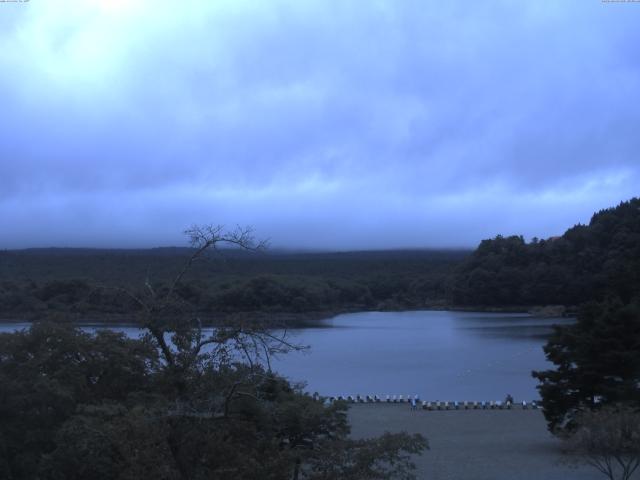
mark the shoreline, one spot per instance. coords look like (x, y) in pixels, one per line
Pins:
(311, 319)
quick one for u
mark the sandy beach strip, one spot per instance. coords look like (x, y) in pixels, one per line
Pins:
(474, 444)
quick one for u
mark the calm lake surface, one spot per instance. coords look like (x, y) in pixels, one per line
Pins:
(436, 354)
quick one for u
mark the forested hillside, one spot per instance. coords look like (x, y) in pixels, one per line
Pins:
(588, 262)
(83, 282)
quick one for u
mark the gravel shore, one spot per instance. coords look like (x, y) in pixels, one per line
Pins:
(474, 444)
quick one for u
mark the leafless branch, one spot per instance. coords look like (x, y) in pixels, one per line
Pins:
(203, 237)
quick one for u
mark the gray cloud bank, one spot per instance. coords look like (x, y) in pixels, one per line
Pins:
(324, 124)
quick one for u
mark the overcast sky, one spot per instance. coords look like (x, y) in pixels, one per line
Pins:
(324, 124)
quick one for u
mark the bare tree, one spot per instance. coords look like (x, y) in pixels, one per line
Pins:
(609, 440)
(178, 333)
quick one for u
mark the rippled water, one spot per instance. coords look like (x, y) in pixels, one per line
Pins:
(438, 355)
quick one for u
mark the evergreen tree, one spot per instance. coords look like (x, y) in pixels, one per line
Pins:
(588, 262)
(597, 363)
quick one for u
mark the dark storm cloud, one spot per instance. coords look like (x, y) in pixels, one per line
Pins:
(323, 124)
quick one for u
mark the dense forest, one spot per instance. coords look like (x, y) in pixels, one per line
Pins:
(86, 283)
(589, 262)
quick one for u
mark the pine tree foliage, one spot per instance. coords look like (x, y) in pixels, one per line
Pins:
(597, 363)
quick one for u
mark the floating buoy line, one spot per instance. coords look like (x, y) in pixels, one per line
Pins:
(416, 402)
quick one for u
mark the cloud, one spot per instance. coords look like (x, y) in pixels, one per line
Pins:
(324, 124)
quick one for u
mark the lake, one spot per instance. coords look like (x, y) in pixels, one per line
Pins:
(439, 355)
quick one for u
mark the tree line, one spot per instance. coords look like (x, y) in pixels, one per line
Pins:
(84, 283)
(588, 262)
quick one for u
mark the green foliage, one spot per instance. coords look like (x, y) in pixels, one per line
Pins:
(48, 371)
(597, 363)
(75, 405)
(388, 456)
(586, 263)
(85, 283)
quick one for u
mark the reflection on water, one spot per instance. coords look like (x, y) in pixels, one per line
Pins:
(438, 355)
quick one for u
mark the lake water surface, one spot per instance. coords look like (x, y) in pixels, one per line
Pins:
(439, 355)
